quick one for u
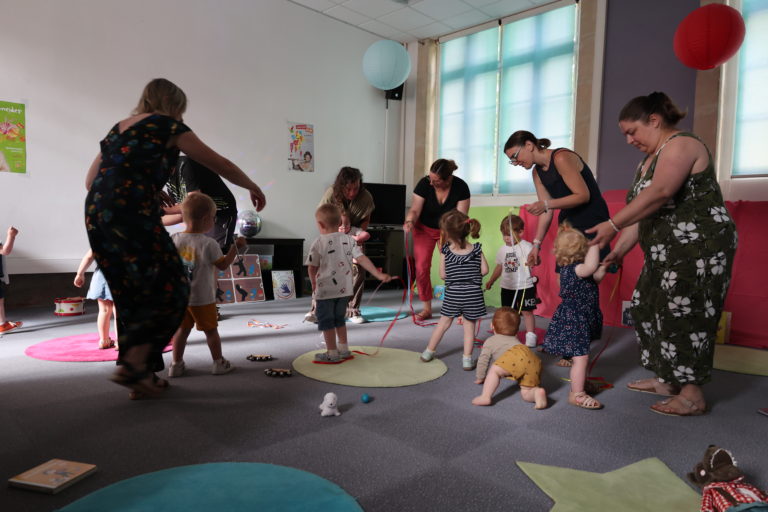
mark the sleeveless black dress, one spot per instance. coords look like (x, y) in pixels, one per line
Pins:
(130, 244)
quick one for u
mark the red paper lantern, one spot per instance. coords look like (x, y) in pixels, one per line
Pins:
(709, 36)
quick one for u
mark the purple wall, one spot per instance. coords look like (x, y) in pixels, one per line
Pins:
(639, 59)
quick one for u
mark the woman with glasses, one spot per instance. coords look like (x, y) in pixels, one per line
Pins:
(563, 182)
(434, 195)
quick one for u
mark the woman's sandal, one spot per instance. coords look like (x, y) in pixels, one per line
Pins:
(678, 406)
(421, 316)
(565, 363)
(583, 400)
(653, 387)
(161, 384)
(144, 382)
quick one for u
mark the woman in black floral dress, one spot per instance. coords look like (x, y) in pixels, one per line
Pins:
(123, 219)
(675, 210)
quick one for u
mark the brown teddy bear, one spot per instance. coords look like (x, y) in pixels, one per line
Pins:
(723, 485)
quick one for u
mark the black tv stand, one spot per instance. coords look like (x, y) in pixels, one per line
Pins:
(386, 250)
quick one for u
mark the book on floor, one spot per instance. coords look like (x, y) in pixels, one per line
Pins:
(52, 476)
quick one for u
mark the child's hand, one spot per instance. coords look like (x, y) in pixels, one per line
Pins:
(79, 280)
(488, 285)
(385, 278)
(479, 381)
(12, 232)
(240, 242)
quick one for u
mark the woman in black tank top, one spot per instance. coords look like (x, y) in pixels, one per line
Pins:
(563, 182)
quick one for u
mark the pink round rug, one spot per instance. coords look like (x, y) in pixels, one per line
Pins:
(80, 348)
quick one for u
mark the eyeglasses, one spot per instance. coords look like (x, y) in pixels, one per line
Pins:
(513, 160)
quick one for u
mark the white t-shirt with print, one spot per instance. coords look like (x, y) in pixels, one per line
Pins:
(515, 274)
(332, 255)
(198, 254)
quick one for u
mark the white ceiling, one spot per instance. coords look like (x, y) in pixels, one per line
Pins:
(411, 20)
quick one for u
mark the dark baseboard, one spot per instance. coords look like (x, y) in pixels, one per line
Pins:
(27, 290)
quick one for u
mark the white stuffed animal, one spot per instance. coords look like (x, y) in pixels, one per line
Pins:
(329, 405)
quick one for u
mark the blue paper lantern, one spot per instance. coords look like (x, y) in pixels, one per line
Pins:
(386, 64)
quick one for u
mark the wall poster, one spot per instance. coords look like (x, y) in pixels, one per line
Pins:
(13, 138)
(240, 282)
(301, 152)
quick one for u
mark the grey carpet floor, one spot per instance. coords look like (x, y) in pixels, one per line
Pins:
(422, 447)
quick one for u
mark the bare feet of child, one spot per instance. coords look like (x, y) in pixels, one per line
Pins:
(481, 400)
(540, 398)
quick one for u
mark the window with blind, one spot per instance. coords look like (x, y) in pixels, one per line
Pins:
(751, 123)
(516, 76)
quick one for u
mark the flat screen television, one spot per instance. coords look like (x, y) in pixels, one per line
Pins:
(389, 199)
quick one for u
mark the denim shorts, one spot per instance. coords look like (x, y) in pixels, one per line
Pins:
(331, 313)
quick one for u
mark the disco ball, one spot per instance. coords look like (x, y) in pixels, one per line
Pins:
(248, 223)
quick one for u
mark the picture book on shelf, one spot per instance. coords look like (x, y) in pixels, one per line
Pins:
(52, 476)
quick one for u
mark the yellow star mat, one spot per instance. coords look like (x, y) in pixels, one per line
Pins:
(648, 485)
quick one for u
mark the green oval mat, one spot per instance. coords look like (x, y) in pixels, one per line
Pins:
(390, 368)
(231, 486)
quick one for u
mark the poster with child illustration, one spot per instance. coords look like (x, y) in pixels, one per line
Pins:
(241, 281)
(301, 147)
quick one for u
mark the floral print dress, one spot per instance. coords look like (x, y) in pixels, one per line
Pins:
(689, 245)
(130, 244)
(578, 319)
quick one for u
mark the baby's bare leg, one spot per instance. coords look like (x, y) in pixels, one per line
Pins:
(536, 395)
(491, 384)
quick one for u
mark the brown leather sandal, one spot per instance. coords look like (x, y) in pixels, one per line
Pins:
(653, 387)
(678, 406)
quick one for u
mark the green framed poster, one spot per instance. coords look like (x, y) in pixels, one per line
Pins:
(13, 138)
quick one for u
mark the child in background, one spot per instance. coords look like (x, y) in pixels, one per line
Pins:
(518, 290)
(462, 266)
(329, 264)
(358, 234)
(200, 254)
(511, 360)
(99, 291)
(578, 319)
(5, 250)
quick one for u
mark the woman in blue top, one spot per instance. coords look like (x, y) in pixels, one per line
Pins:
(563, 182)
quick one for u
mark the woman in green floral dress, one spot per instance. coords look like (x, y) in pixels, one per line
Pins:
(675, 210)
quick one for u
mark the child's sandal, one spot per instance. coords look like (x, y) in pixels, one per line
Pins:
(583, 400)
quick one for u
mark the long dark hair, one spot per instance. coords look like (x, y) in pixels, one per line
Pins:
(347, 176)
(520, 137)
(641, 108)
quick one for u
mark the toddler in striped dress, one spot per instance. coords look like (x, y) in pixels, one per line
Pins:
(462, 266)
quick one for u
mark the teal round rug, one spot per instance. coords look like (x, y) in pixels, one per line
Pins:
(231, 486)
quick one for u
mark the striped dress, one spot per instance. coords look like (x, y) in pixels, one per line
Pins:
(463, 284)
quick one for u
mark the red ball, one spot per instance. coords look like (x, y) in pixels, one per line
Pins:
(709, 36)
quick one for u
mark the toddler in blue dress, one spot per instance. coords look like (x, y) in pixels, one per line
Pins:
(99, 291)
(578, 319)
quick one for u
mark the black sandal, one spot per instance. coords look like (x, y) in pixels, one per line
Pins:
(142, 382)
